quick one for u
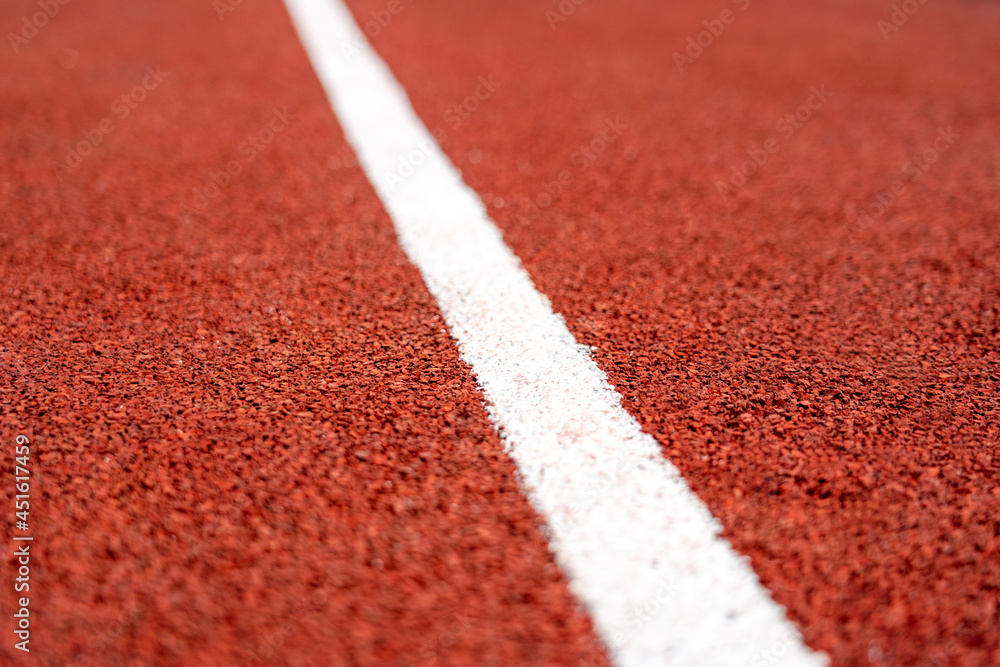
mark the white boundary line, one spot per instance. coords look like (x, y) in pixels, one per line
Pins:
(641, 551)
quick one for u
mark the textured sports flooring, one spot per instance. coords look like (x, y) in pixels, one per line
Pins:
(262, 433)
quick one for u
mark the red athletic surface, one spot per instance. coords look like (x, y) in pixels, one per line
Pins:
(834, 401)
(254, 440)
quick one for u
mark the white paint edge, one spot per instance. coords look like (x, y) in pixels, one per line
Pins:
(641, 551)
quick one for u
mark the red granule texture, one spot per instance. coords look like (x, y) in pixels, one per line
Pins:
(829, 388)
(253, 441)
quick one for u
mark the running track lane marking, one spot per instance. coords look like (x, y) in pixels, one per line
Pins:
(641, 551)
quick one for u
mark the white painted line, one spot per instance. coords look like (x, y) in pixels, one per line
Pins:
(642, 552)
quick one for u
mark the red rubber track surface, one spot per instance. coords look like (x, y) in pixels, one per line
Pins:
(253, 441)
(828, 388)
